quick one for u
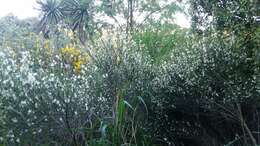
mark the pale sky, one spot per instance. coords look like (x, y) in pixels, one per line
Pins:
(26, 8)
(20, 8)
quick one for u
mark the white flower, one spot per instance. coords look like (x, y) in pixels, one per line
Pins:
(18, 140)
(14, 120)
(31, 78)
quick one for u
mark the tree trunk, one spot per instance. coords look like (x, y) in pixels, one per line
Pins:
(244, 125)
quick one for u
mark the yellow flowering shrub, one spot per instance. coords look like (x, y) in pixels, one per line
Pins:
(47, 47)
(77, 65)
(75, 57)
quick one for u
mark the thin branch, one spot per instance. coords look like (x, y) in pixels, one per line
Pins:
(151, 13)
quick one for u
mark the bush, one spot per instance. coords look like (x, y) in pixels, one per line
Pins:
(52, 102)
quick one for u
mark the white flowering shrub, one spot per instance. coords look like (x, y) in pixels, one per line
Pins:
(41, 103)
(209, 81)
(66, 97)
(46, 101)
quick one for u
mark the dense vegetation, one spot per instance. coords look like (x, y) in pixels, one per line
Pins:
(122, 73)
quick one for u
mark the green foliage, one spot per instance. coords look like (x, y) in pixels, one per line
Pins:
(161, 41)
(83, 16)
(226, 14)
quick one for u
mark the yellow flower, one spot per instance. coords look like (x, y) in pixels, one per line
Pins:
(77, 65)
(74, 57)
(47, 47)
(46, 44)
(69, 51)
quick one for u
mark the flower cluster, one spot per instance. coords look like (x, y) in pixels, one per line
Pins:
(74, 57)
